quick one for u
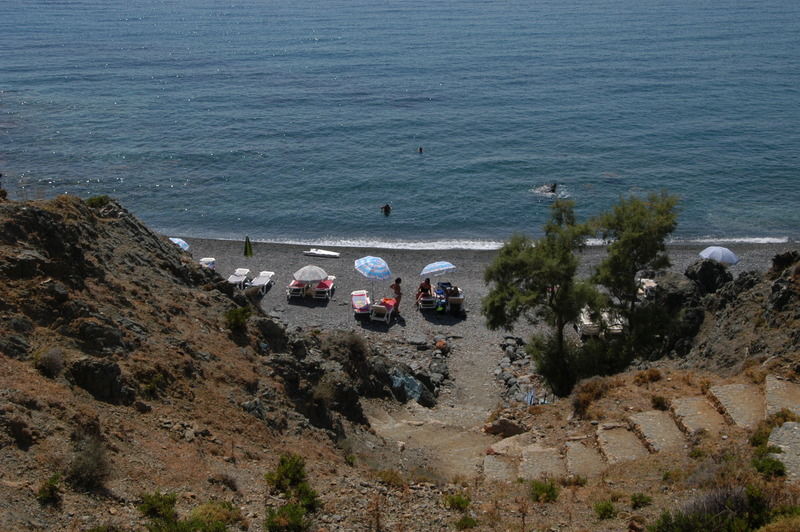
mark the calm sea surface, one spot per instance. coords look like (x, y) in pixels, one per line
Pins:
(296, 120)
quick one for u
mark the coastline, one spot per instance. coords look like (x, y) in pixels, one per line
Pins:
(285, 259)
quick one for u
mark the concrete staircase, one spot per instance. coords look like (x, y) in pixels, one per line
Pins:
(654, 431)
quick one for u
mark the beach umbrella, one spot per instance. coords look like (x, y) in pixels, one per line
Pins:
(373, 268)
(720, 254)
(437, 268)
(180, 243)
(248, 247)
(310, 274)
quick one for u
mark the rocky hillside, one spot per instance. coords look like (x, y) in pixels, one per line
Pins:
(125, 368)
(754, 318)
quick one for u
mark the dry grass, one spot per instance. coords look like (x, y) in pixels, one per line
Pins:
(590, 390)
(647, 376)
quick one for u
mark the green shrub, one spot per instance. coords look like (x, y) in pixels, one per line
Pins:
(89, 466)
(697, 453)
(97, 202)
(543, 490)
(350, 459)
(457, 501)
(289, 478)
(465, 522)
(769, 467)
(290, 472)
(159, 505)
(290, 517)
(306, 497)
(640, 500)
(721, 510)
(215, 513)
(761, 434)
(49, 491)
(605, 510)
(236, 318)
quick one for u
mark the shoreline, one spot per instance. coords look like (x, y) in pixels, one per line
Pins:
(285, 259)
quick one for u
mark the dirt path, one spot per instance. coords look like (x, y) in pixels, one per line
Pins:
(448, 435)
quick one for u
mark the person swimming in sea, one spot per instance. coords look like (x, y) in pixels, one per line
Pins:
(386, 209)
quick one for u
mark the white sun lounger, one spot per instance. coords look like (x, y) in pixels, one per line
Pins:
(263, 281)
(240, 277)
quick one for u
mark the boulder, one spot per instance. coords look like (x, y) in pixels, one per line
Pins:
(273, 332)
(709, 275)
(504, 427)
(101, 378)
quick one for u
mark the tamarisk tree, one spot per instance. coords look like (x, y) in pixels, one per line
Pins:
(635, 230)
(536, 280)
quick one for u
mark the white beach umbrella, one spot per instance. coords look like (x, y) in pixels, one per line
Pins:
(720, 254)
(310, 274)
(180, 243)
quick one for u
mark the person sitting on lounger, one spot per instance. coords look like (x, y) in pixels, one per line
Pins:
(425, 289)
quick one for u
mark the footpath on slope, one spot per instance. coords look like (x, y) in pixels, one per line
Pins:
(449, 435)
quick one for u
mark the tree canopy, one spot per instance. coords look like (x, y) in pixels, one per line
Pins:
(536, 279)
(635, 230)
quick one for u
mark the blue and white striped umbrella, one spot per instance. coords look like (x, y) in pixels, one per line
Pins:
(438, 268)
(373, 268)
(180, 242)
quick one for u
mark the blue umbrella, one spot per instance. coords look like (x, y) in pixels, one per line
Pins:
(720, 254)
(181, 243)
(373, 268)
(437, 268)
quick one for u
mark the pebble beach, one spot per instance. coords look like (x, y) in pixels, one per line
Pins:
(285, 259)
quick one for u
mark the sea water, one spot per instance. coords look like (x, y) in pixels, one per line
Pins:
(296, 121)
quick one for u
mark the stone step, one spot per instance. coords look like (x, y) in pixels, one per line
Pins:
(584, 460)
(618, 444)
(787, 437)
(658, 430)
(694, 414)
(743, 404)
(499, 468)
(781, 394)
(538, 462)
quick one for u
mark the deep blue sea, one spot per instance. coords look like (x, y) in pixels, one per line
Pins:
(296, 120)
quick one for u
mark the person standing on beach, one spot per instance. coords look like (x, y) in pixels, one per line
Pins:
(398, 294)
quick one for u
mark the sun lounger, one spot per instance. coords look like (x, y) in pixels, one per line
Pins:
(263, 281)
(382, 311)
(426, 302)
(614, 323)
(586, 325)
(240, 277)
(295, 289)
(325, 288)
(359, 300)
(456, 300)
(208, 262)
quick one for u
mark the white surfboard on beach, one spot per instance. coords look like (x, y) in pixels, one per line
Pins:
(314, 252)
